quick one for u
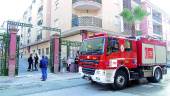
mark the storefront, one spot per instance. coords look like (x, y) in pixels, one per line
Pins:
(69, 50)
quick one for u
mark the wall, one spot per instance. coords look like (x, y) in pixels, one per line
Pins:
(77, 37)
(62, 15)
(111, 15)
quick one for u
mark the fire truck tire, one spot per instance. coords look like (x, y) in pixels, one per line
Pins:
(157, 76)
(120, 81)
(93, 82)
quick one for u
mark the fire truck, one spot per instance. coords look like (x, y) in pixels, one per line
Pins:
(116, 60)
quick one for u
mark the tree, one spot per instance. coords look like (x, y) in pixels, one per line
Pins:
(137, 14)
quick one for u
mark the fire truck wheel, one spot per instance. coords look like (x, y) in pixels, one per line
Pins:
(120, 81)
(157, 76)
(93, 82)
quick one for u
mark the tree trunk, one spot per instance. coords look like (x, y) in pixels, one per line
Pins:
(133, 29)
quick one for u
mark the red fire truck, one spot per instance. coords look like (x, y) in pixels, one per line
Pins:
(117, 60)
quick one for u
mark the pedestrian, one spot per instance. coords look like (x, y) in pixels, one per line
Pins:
(30, 63)
(64, 63)
(36, 62)
(43, 66)
(69, 61)
(76, 61)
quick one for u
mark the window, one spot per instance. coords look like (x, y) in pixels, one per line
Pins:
(33, 51)
(28, 41)
(56, 4)
(29, 34)
(47, 51)
(128, 45)
(40, 22)
(29, 30)
(39, 51)
(42, 51)
(39, 35)
(30, 7)
(33, 1)
(29, 19)
(40, 9)
(113, 45)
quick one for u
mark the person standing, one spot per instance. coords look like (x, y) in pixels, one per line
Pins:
(30, 63)
(76, 61)
(36, 62)
(43, 66)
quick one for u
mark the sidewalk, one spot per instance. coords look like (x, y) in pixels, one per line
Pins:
(31, 83)
(33, 77)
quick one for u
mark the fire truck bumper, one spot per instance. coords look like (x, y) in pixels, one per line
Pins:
(100, 76)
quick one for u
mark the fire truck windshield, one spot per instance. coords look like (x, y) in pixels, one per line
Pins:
(93, 46)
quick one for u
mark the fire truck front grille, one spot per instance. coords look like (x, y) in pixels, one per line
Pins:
(89, 71)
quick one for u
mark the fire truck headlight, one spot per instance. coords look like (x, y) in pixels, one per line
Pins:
(113, 63)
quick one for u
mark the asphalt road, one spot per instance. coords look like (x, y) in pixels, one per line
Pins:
(80, 87)
(87, 89)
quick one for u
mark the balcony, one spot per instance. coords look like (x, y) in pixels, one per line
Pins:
(87, 4)
(87, 21)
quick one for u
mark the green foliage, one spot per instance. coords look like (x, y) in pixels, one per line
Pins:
(136, 14)
(127, 15)
(139, 13)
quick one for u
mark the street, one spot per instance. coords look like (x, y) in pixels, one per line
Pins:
(64, 84)
(87, 89)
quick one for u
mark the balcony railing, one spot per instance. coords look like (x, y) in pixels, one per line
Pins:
(87, 21)
(87, 4)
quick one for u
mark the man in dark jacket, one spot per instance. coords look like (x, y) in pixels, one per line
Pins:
(43, 66)
(36, 62)
(30, 62)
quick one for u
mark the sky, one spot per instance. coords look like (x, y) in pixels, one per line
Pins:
(13, 9)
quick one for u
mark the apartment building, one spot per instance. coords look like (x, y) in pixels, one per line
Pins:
(157, 23)
(79, 19)
(36, 40)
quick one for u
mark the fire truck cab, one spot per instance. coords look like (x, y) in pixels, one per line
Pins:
(116, 60)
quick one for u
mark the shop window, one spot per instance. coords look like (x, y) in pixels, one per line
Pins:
(128, 45)
(42, 51)
(33, 51)
(39, 51)
(47, 51)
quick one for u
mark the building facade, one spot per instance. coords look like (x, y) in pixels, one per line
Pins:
(156, 24)
(79, 19)
(36, 40)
